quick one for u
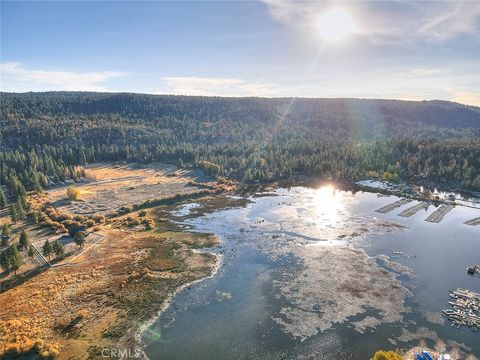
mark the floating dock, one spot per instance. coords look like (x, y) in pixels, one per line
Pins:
(439, 214)
(414, 209)
(387, 208)
(466, 309)
(473, 222)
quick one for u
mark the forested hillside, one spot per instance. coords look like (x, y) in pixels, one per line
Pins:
(44, 136)
(224, 119)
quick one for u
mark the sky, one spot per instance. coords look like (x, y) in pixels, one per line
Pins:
(418, 50)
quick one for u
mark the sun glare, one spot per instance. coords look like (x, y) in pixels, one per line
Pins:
(336, 24)
(327, 205)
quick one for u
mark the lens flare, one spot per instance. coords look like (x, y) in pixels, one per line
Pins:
(336, 24)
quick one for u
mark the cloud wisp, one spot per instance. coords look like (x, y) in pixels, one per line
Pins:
(462, 17)
(389, 21)
(15, 77)
(395, 83)
(191, 85)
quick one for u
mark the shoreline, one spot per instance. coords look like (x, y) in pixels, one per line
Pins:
(472, 200)
(137, 336)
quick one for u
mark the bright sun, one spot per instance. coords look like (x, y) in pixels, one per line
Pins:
(336, 24)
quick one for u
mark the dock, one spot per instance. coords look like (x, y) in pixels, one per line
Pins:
(387, 208)
(439, 214)
(414, 209)
(473, 222)
(466, 309)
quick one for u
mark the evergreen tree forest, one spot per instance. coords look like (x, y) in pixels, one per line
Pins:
(46, 138)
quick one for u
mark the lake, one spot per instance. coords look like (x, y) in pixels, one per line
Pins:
(310, 274)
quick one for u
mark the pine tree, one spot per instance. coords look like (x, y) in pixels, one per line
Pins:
(58, 248)
(23, 240)
(37, 216)
(79, 238)
(3, 199)
(83, 159)
(14, 258)
(23, 200)
(19, 207)
(4, 261)
(47, 249)
(6, 231)
(30, 251)
(13, 213)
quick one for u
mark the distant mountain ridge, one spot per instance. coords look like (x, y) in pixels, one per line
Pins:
(44, 136)
(364, 119)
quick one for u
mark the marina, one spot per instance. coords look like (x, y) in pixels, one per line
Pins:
(387, 208)
(414, 209)
(466, 309)
(473, 222)
(439, 214)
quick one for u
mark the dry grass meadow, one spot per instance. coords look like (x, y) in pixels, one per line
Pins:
(132, 261)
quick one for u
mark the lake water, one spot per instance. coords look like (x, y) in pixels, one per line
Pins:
(310, 274)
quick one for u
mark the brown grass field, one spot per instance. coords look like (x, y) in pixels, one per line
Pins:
(100, 295)
(110, 187)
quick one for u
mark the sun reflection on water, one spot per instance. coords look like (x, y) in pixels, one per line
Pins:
(328, 205)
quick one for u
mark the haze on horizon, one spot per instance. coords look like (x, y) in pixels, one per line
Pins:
(404, 50)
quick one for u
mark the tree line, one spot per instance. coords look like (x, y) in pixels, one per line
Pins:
(47, 138)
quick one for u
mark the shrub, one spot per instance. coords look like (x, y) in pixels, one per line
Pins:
(73, 193)
(387, 176)
(40, 216)
(134, 222)
(386, 355)
(98, 218)
(51, 212)
(82, 313)
(63, 216)
(125, 209)
(67, 223)
(25, 346)
(79, 218)
(56, 225)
